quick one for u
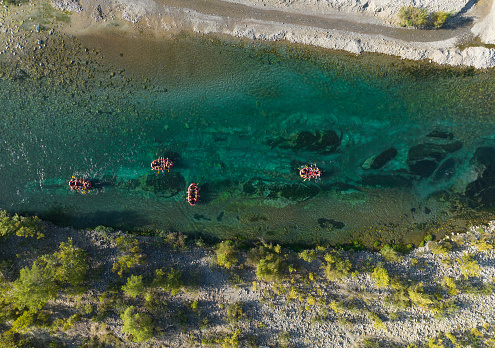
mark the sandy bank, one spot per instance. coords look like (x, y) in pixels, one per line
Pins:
(351, 25)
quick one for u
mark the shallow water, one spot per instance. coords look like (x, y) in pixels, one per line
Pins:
(240, 119)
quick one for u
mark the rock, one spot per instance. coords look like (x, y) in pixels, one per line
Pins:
(330, 223)
(482, 190)
(387, 180)
(484, 155)
(446, 171)
(162, 185)
(423, 168)
(383, 158)
(440, 135)
(98, 13)
(294, 192)
(423, 151)
(67, 5)
(322, 142)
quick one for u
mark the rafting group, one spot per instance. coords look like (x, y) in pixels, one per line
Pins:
(161, 164)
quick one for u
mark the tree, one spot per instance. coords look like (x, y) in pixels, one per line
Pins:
(226, 254)
(138, 325)
(72, 265)
(134, 286)
(35, 286)
(20, 225)
(168, 281)
(381, 277)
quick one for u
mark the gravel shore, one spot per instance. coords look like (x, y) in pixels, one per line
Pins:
(303, 310)
(349, 25)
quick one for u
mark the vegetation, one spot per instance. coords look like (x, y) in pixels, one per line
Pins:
(138, 325)
(226, 254)
(411, 16)
(134, 286)
(268, 262)
(20, 226)
(381, 277)
(336, 267)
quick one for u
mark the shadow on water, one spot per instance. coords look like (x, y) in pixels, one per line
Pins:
(63, 215)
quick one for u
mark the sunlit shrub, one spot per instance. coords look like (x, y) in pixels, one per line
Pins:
(226, 254)
(134, 286)
(413, 17)
(168, 281)
(138, 325)
(381, 277)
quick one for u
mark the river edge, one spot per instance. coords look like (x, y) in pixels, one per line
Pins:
(347, 29)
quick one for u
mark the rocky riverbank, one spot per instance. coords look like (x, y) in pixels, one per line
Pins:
(324, 297)
(353, 26)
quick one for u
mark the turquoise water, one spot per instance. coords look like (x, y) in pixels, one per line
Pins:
(240, 120)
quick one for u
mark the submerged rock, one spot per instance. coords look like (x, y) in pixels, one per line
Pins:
(387, 180)
(330, 223)
(482, 190)
(424, 159)
(294, 192)
(383, 158)
(319, 141)
(163, 185)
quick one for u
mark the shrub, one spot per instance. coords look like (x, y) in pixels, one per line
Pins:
(439, 18)
(268, 262)
(72, 265)
(413, 17)
(138, 325)
(389, 254)
(35, 286)
(125, 263)
(168, 281)
(419, 298)
(308, 255)
(235, 312)
(451, 285)
(336, 267)
(226, 254)
(20, 226)
(134, 286)
(381, 277)
(469, 266)
(439, 248)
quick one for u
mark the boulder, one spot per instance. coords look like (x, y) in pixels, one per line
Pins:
(293, 191)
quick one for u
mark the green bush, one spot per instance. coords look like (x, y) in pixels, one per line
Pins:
(469, 266)
(308, 255)
(438, 248)
(439, 18)
(35, 286)
(413, 17)
(20, 226)
(381, 277)
(134, 286)
(138, 325)
(168, 281)
(72, 266)
(268, 262)
(388, 253)
(336, 267)
(235, 312)
(226, 254)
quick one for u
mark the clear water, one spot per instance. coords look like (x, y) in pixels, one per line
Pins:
(224, 111)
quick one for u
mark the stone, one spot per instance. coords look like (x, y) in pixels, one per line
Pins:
(383, 158)
(441, 135)
(330, 223)
(387, 180)
(423, 151)
(323, 142)
(161, 185)
(446, 171)
(292, 191)
(484, 155)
